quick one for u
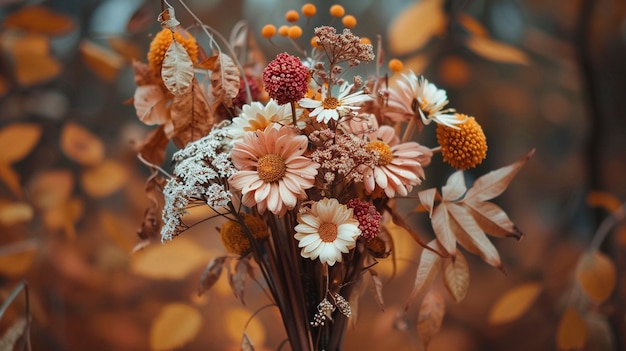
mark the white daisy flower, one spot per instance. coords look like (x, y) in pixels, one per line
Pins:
(335, 107)
(327, 231)
(417, 95)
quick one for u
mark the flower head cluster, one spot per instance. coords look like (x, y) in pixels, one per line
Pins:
(234, 237)
(286, 79)
(343, 47)
(162, 41)
(464, 147)
(368, 216)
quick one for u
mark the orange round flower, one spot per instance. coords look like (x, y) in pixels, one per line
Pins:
(465, 147)
(162, 41)
(234, 237)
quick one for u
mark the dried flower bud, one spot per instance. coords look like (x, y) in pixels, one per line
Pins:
(286, 79)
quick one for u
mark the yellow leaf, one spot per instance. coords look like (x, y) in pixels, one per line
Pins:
(172, 260)
(174, 326)
(456, 276)
(51, 189)
(105, 63)
(39, 19)
(15, 212)
(81, 145)
(104, 179)
(572, 331)
(17, 140)
(17, 258)
(430, 316)
(415, 25)
(235, 321)
(497, 51)
(32, 61)
(514, 303)
(596, 275)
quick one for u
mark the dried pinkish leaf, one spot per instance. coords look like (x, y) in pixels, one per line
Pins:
(455, 187)
(443, 230)
(152, 148)
(225, 81)
(237, 279)
(430, 316)
(246, 343)
(493, 220)
(456, 276)
(376, 287)
(514, 303)
(427, 269)
(167, 19)
(212, 273)
(150, 104)
(427, 199)
(177, 69)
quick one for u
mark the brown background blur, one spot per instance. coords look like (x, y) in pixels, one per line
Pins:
(560, 90)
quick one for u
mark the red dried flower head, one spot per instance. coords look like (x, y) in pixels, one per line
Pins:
(369, 218)
(242, 96)
(286, 79)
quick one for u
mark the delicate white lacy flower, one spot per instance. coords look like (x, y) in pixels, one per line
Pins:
(327, 231)
(335, 107)
(256, 116)
(416, 95)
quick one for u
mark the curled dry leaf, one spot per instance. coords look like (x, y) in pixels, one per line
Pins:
(17, 140)
(430, 316)
(572, 331)
(174, 260)
(236, 278)
(177, 69)
(102, 61)
(596, 275)
(51, 189)
(456, 276)
(212, 273)
(246, 343)
(224, 81)
(143, 74)
(80, 145)
(32, 60)
(497, 51)
(427, 269)
(174, 326)
(192, 118)
(39, 19)
(167, 18)
(514, 303)
(152, 148)
(376, 287)
(415, 26)
(104, 179)
(150, 104)
(15, 212)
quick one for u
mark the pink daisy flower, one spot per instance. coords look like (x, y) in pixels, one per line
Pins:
(272, 174)
(399, 165)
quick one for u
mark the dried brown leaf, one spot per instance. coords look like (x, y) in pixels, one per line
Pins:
(430, 316)
(177, 70)
(104, 179)
(572, 331)
(456, 276)
(152, 148)
(514, 303)
(11, 179)
(212, 273)
(17, 140)
(246, 343)
(596, 275)
(427, 269)
(150, 104)
(415, 26)
(376, 287)
(143, 74)
(237, 279)
(32, 60)
(224, 81)
(174, 326)
(495, 182)
(80, 145)
(192, 118)
(102, 61)
(497, 51)
(167, 19)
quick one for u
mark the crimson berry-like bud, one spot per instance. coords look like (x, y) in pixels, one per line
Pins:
(286, 79)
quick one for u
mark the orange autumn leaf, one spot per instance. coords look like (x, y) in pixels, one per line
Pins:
(65, 216)
(104, 62)
(104, 179)
(572, 331)
(514, 303)
(32, 61)
(596, 275)
(497, 51)
(415, 26)
(174, 326)
(472, 25)
(15, 212)
(604, 200)
(175, 260)
(191, 116)
(126, 48)
(51, 189)
(40, 19)
(80, 145)
(17, 140)
(17, 258)
(11, 179)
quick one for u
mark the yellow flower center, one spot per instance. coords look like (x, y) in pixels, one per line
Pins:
(420, 103)
(328, 232)
(271, 168)
(330, 103)
(383, 150)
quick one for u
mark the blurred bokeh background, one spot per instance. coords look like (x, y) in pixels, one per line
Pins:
(536, 74)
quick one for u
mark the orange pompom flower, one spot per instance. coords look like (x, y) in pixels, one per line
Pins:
(162, 41)
(465, 147)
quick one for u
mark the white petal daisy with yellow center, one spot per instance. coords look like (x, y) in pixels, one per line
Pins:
(335, 107)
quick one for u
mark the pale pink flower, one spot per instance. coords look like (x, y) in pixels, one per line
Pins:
(399, 165)
(327, 230)
(273, 173)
